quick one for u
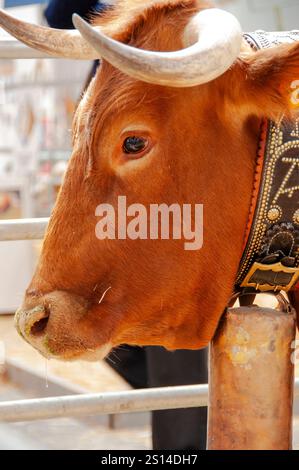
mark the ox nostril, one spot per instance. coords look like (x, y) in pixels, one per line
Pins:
(38, 327)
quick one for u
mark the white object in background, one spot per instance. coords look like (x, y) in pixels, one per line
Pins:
(16, 258)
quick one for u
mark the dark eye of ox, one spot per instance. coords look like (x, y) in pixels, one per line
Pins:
(135, 145)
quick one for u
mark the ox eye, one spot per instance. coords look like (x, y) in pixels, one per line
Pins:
(134, 145)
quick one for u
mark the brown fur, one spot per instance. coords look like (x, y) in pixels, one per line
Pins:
(205, 148)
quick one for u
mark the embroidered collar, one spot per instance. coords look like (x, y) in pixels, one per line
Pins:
(270, 260)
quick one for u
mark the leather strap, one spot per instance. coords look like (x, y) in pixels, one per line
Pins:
(270, 260)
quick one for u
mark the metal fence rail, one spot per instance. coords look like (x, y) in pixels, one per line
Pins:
(105, 403)
(108, 403)
(23, 229)
(11, 48)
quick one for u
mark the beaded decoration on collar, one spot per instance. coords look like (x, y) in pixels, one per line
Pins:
(270, 260)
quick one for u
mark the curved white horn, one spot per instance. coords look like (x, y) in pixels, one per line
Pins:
(213, 38)
(58, 43)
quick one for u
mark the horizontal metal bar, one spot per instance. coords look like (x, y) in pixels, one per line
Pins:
(11, 48)
(105, 403)
(22, 229)
(165, 398)
(42, 84)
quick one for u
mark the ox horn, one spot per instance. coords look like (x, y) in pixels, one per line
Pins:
(55, 42)
(213, 40)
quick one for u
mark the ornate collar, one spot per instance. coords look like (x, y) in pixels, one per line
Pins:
(270, 260)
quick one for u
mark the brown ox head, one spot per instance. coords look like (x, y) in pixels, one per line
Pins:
(148, 129)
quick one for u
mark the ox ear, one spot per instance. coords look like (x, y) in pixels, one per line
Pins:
(267, 82)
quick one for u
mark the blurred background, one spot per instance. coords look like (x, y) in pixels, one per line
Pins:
(37, 101)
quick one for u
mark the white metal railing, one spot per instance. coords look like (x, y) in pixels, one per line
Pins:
(23, 229)
(165, 398)
(105, 403)
(11, 48)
